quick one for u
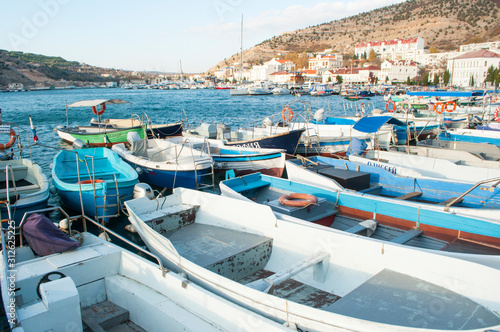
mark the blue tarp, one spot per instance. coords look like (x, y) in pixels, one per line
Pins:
(371, 124)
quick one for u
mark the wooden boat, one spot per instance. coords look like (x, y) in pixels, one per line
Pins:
(249, 137)
(100, 286)
(165, 163)
(23, 186)
(317, 280)
(152, 130)
(347, 211)
(462, 198)
(242, 160)
(100, 136)
(93, 181)
(405, 164)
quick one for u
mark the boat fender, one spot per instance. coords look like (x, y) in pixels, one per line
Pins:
(495, 115)
(452, 103)
(287, 114)
(387, 106)
(64, 223)
(46, 278)
(11, 142)
(101, 111)
(298, 200)
(130, 228)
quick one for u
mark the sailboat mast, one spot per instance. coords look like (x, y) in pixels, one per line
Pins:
(241, 51)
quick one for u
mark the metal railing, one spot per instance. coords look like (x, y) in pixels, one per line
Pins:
(459, 198)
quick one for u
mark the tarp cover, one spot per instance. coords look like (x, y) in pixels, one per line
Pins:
(371, 124)
(356, 147)
(96, 102)
(44, 237)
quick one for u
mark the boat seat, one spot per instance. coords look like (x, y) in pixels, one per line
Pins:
(369, 225)
(410, 195)
(22, 189)
(449, 200)
(407, 236)
(318, 260)
(253, 185)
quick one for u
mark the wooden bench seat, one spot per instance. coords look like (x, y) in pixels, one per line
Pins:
(410, 195)
(407, 236)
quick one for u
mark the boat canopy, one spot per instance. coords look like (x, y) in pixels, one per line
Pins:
(371, 124)
(96, 102)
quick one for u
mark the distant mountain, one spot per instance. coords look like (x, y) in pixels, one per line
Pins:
(444, 25)
(29, 69)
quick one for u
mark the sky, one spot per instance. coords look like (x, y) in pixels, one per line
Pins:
(159, 35)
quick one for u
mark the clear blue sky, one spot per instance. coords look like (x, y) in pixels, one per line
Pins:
(155, 35)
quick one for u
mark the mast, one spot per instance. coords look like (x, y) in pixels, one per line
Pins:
(241, 51)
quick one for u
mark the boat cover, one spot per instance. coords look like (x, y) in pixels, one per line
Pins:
(44, 237)
(356, 147)
(371, 124)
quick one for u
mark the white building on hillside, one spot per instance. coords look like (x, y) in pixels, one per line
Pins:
(398, 70)
(398, 49)
(470, 65)
(328, 61)
(263, 72)
(491, 46)
(364, 75)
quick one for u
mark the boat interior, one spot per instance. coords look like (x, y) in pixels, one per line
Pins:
(100, 168)
(23, 179)
(101, 287)
(250, 257)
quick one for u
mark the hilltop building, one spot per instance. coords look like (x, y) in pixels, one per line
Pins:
(411, 49)
(491, 46)
(328, 61)
(472, 67)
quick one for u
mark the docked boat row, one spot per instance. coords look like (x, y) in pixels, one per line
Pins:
(380, 224)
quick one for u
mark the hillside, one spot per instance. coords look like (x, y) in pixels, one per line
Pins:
(444, 25)
(30, 69)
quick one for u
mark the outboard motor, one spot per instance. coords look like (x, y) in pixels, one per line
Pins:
(143, 190)
(79, 144)
(267, 123)
(223, 131)
(319, 115)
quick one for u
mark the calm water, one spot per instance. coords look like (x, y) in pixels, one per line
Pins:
(47, 109)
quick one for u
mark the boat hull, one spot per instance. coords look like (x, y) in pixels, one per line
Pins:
(98, 137)
(287, 141)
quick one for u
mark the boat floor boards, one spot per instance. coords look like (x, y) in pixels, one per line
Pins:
(409, 299)
(108, 316)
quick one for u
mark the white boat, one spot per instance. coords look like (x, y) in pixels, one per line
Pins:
(405, 164)
(101, 286)
(280, 91)
(486, 151)
(259, 89)
(165, 163)
(317, 280)
(240, 91)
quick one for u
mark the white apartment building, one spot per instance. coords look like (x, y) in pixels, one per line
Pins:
(328, 61)
(472, 64)
(397, 70)
(263, 72)
(491, 46)
(411, 49)
(353, 75)
(438, 59)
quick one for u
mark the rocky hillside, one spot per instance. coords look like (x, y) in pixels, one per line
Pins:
(444, 25)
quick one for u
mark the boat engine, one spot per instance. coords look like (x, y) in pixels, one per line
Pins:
(267, 123)
(143, 190)
(223, 131)
(79, 144)
(319, 115)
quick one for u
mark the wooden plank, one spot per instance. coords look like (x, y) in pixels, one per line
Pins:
(407, 236)
(449, 200)
(409, 195)
(355, 229)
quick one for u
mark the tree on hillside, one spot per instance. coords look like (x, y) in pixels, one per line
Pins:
(446, 77)
(339, 79)
(425, 79)
(408, 81)
(432, 49)
(372, 56)
(436, 80)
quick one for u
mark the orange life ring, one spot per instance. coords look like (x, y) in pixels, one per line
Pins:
(287, 114)
(10, 143)
(495, 115)
(91, 181)
(96, 112)
(439, 108)
(298, 200)
(451, 102)
(393, 105)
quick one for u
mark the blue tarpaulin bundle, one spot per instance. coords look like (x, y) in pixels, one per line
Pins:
(356, 147)
(44, 237)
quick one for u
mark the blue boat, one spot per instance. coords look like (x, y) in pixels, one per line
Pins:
(93, 181)
(395, 221)
(166, 163)
(471, 136)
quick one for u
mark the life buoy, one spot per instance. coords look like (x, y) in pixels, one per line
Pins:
(91, 181)
(96, 112)
(287, 114)
(298, 200)
(393, 106)
(438, 108)
(495, 115)
(10, 143)
(450, 103)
